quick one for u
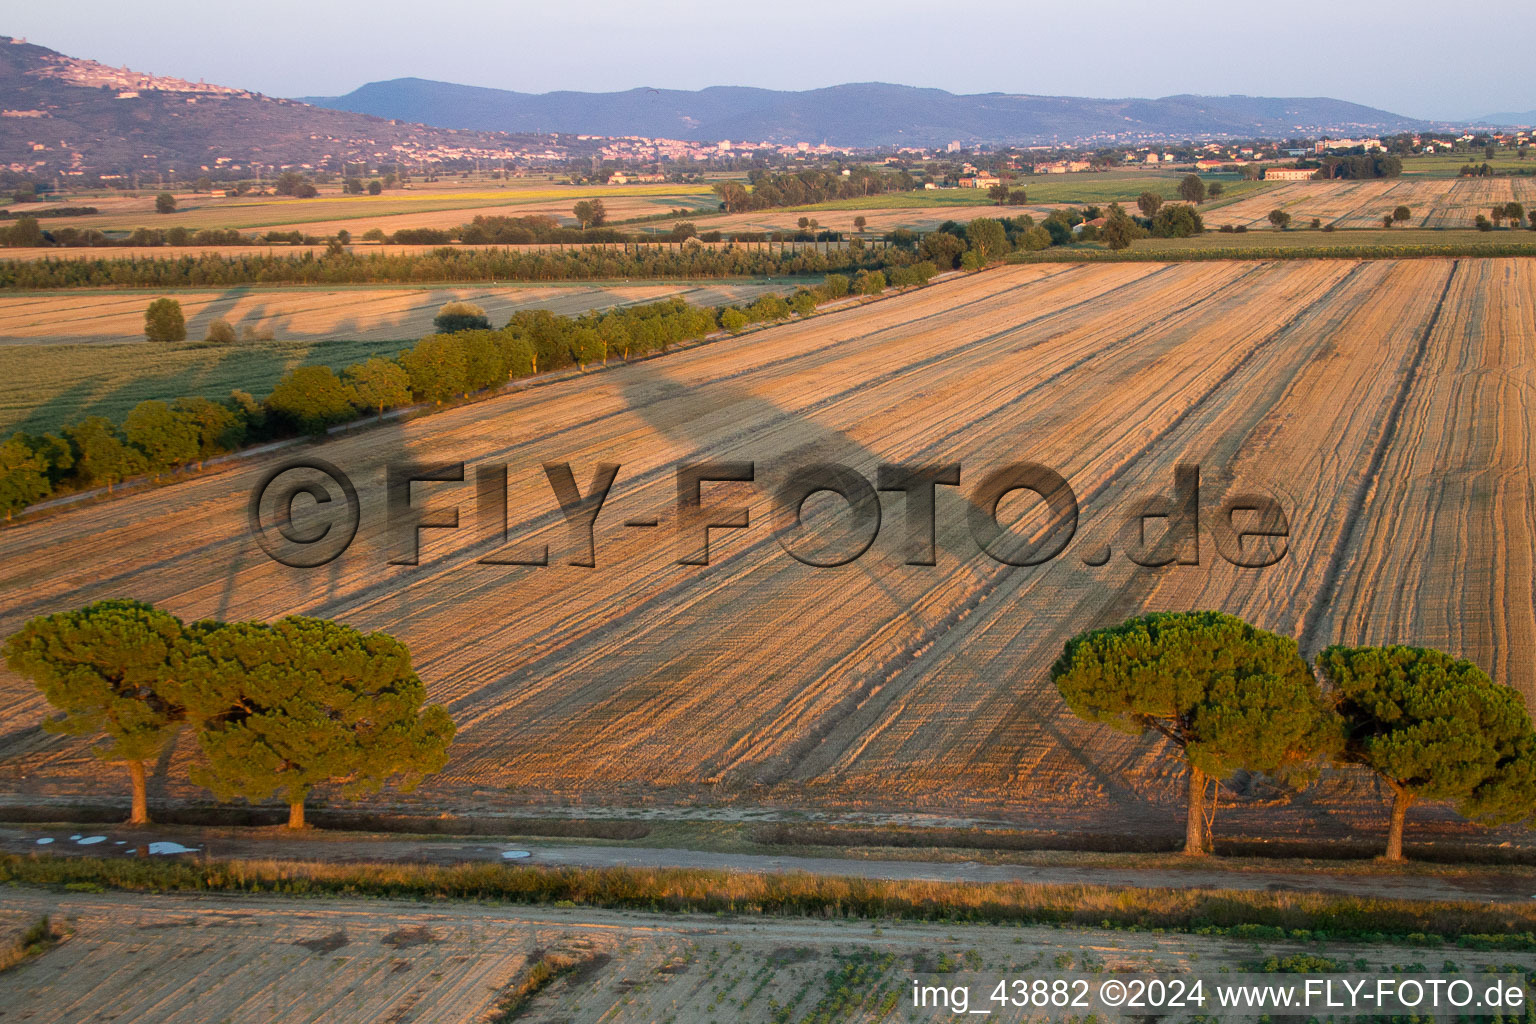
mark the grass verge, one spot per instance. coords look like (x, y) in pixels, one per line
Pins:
(38, 938)
(1240, 914)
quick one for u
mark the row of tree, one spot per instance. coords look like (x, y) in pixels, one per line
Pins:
(769, 190)
(586, 263)
(1231, 697)
(276, 709)
(984, 240)
(1500, 212)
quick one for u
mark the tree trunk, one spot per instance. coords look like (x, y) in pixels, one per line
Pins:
(1194, 829)
(296, 814)
(1401, 801)
(140, 814)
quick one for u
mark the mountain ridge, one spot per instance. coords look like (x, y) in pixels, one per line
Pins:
(860, 114)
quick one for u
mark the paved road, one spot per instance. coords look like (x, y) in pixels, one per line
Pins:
(1492, 887)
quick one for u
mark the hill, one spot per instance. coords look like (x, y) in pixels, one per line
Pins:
(72, 117)
(1517, 118)
(866, 114)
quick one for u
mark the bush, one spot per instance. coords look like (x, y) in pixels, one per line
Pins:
(734, 320)
(870, 282)
(835, 286)
(163, 321)
(770, 307)
(436, 367)
(460, 316)
(1177, 220)
(220, 332)
(310, 398)
(165, 203)
(378, 384)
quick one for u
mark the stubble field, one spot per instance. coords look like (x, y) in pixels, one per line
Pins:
(248, 957)
(1434, 202)
(1387, 405)
(423, 205)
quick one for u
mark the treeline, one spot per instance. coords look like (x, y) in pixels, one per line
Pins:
(52, 211)
(973, 245)
(803, 188)
(1364, 165)
(447, 264)
(158, 437)
(275, 709)
(536, 229)
(1232, 698)
(27, 233)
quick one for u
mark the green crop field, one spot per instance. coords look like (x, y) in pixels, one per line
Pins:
(1307, 238)
(1448, 165)
(1086, 188)
(52, 379)
(47, 386)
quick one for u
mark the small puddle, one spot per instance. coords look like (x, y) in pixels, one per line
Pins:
(515, 854)
(169, 847)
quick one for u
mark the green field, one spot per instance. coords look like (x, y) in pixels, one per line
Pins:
(1447, 165)
(1361, 243)
(1086, 188)
(1307, 238)
(47, 386)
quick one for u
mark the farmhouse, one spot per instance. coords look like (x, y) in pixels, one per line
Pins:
(980, 181)
(1288, 174)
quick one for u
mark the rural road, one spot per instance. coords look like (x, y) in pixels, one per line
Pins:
(1490, 887)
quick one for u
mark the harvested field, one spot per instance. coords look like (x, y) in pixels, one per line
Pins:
(245, 957)
(422, 206)
(1385, 404)
(1436, 203)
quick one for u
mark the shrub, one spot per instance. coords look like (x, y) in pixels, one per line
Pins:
(734, 320)
(770, 307)
(163, 321)
(311, 398)
(870, 282)
(220, 332)
(436, 368)
(378, 384)
(460, 316)
(1177, 220)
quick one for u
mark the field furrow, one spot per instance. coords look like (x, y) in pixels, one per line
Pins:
(1386, 405)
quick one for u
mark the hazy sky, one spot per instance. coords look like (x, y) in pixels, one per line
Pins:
(1435, 59)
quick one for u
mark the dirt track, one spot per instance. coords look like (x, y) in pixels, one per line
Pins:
(231, 844)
